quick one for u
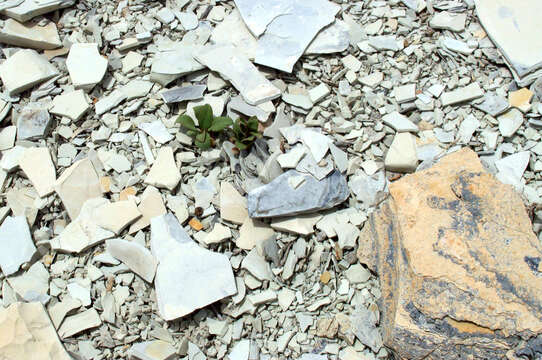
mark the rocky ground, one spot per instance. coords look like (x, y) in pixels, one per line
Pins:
(140, 245)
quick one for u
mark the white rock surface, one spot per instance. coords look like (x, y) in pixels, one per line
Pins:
(233, 206)
(39, 168)
(85, 65)
(16, 245)
(183, 268)
(399, 122)
(244, 76)
(80, 322)
(31, 35)
(164, 172)
(25, 69)
(116, 216)
(135, 256)
(83, 232)
(77, 184)
(72, 104)
(470, 92)
(402, 156)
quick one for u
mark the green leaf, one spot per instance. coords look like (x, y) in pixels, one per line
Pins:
(187, 122)
(253, 123)
(204, 114)
(192, 133)
(237, 129)
(204, 142)
(201, 136)
(220, 123)
(240, 145)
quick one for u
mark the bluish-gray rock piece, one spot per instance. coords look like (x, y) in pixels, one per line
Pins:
(188, 276)
(33, 122)
(16, 246)
(295, 193)
(184, 93)
(493, 105)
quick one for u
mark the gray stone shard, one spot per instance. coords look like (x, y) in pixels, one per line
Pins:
(334, 38)
(188, 276)
(33, 122)
(493, 105)
(178, 94)
(27, 9)
(238, 105)
(25, 69)
(32, 35)
(296, 193)
(515, 31)
(287, 36)
(16, 246)
(244, 76)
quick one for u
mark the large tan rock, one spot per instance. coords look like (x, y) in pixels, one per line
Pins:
(26, 332)
(458, 263)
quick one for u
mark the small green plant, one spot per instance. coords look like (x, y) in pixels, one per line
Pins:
(245, 132)
(208, 125)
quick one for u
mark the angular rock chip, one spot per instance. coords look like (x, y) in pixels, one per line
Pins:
(83, 232)
(30, 35)
(27, 9)
(85, 65)
(287, 36)
(133, 255)
(402, 156)
(164, 172)
(280, 198)
(334, 38)
(77, 184)
(157, 130)
(151, 205)
(33, 122)
(178, 94)
(40, 170)
(116, 216)
(26, 331)
(33, 284)
(513, 29)
(152, 350)
(80, 322)
(467, 93)
(183, 269)
(16, 245)
(71, 104)
(233, 206)
(24, 69)
(236, 68)
(458, 265)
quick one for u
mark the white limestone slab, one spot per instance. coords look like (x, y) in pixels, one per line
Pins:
(236, 68)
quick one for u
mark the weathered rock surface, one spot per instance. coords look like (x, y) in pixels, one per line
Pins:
(16, 246)
(135, 256)
(77, 184)
(32, 35)
(458, 266)
(183, 267)
(26, 332)
(281, 198)
(25, 69)
(85, 65)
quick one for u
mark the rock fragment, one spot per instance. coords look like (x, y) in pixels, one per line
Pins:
(448, 21)
(183, 267)
(24, 69)
(40, 170)
(233, 206)
(135, 256)
(470, 92)
(164, 172)
(510, 122)
(244, 76)
(399, 122)
(27, 331)
(16, 245)
(28, 9)
(30, 35)
(83, 232)
(448, 250)
(402, 156)
(312, 195)
(75, 324)
(151, 205)
(152, 350)
(77, 184)
(178, 94)
(33, 122)
(72, 104)
(116, 216)
(85, 65)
